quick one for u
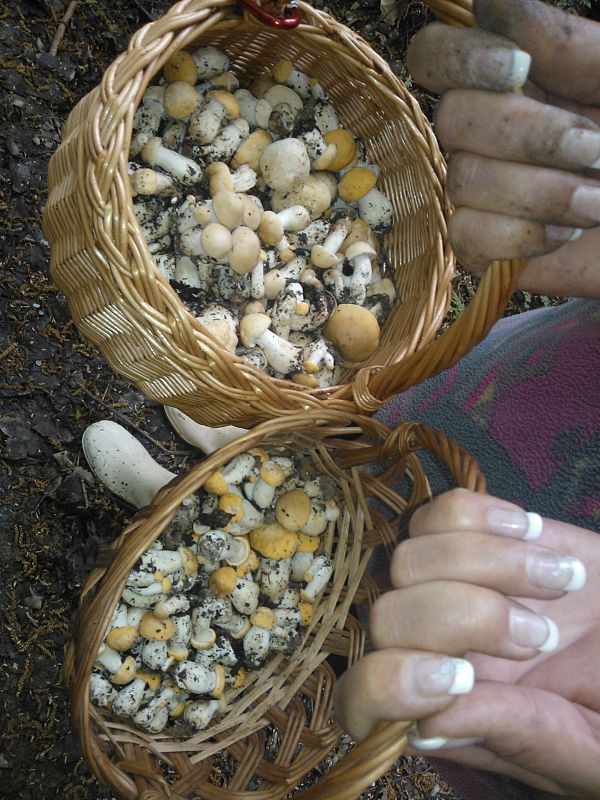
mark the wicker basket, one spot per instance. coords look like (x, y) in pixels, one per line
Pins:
(120, 301)
(280, 727)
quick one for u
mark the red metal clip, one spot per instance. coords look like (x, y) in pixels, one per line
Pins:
(291, 15)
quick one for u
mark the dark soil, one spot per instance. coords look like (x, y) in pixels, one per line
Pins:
(54, 518)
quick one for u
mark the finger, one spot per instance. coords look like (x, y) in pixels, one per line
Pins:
(511, 567)
(479, 237)
(532, 729)
(511, 127)
(549, 196)
(461, 510)
(397, 685)
(440, 57)
(452, 617)
(547, 274)
(565, 49)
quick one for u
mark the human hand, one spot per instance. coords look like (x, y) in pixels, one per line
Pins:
(474, 586)
(520, 170)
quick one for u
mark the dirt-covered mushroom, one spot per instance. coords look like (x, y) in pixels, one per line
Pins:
(146, 181)
(256, 640)
(359, 255)
(205, 124)
(376, 209)
(325, 256)
(210, 61)
(285, 165)
(147, 119)
(199, 713)
(179, 167)
(317, 575)
(122, 670)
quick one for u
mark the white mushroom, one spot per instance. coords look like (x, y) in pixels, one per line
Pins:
(284, 72)
(129, 698)
(102, 692)
(277, 279)
(376, 209)
(122, 464)
(318, 576)
(274, 577)
(227, 141)
(147, 119)
(155, 715)
(256, 640)
(217, 545)
(281, 355)
(359, 255)
(270, 477)
(326, 118)
(326, 255)
(210, 61)
(216, 241)
(146, 181)
(198, 679)
(285, 165)
(221, 323)
(205, 124)
(178, 166)
(204, 437)
(199, 713)
(122, 670)
(245, 250)
(255, 110)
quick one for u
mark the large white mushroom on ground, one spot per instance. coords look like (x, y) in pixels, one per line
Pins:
(232, 582)
(238, 183)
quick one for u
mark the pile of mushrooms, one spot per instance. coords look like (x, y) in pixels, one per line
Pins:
(263, 213)
(230, 583)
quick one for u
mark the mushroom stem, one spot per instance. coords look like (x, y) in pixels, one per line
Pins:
(203, 437)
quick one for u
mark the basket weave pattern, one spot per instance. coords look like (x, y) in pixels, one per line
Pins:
(280, 725)
(121, 302)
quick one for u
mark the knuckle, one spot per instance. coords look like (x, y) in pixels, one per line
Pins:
(379, 620)
(406, 566)
(452, 506)
(469, 243)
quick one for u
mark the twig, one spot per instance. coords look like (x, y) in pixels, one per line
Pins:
(122, 418)
(62, 27)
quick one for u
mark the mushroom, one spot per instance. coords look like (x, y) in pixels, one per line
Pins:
(292, 510)
(122, 670)
(122, 464)
(326, 255)
(283, 72)
(140, 599)
(221, 323)
(255, 110)
(166, 561)
(244, 516)
(199, 713)
(227, 80)
(175, 604)
(251, 149)
(198, 679)
(183, 169)
(129, 699)
(356, 183)
(354, 331)
(102, 692)
(285, 165)
(359, 255)
(180, 67)
(313, 195)
(303, 557)
(217, 545)
(219, 177)
(180, 100)
(178, 644)
(210, 61)
(245, 250)
(376, 209)
(216, 241)
(155, 715)
(270, 476)
(123, 629)
(205, 124)
(345, 148)
(317, 575)
(280, 354)
(274, 541)
(256, 640)
(227, 141)
(146, 181)
(208, 609)
(155, 655)
(228, 207)
(320, 153)
(326, 118)
(290, 303)
(317, 355)
(274, 577)
(276, 280)
(242, 591)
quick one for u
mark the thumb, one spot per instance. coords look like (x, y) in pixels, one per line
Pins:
(565, 48)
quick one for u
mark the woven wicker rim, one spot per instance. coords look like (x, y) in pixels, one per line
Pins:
(337, 455)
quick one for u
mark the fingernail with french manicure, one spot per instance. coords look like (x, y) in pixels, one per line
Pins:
(533, 630)
(440, 742)
(548, 570)
(558, 234)
(581, 147)
(435, 675)
(516, 524)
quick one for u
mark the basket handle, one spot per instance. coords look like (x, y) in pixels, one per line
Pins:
(375, 755)
(376, 385)
(290, 19)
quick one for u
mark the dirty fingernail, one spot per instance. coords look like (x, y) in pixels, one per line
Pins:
(503, 68)
(533, 630)
(557, 233)
(581, 147)
(585, 202)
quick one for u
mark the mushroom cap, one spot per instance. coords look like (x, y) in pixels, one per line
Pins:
(121, 639)
(244, 545)
(219, 680)
(315, 195)
(216, 240)
(270, 229)
(231, 503)
(261, 85)
(216, 483)
(245, 250)
(152, 680)
(285, 165)
(356, 183)
(359, 249)
(125, 673)
(250, 150)
(222, 580)
(263, 617)
(190, 561)
(181, 100)
(229, 208)
(306, 543)
(146, 181)
(251, 564)
(274, 541)
(293, 509)
(227, 101)
(240, 678)
(354, 331)
(360, 231)
(345, 148)
(307, 611)
(281, 70)
(206, 645)
(272, 473)
(180, 67)
(278, 94)
(252, 327)
(219, 176)
(151, 627)
(322, 257)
